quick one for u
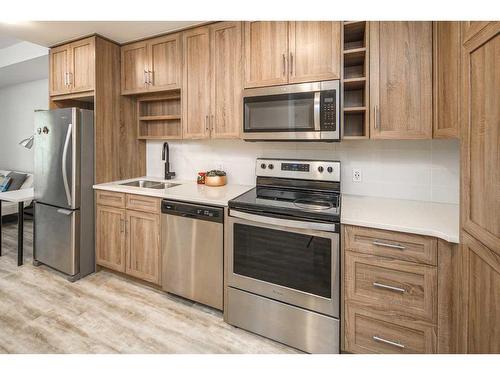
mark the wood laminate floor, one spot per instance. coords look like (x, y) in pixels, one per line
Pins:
(41, 312)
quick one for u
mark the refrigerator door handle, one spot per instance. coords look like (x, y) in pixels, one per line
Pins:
(64, 172)
(64, 212)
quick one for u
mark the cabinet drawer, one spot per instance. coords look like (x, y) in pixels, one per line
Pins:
(404, 246)
(111, 199)
(142, 203)
(392, 287)
(366, 332)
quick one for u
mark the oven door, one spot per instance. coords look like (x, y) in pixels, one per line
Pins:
(290, 261)
(289, 112)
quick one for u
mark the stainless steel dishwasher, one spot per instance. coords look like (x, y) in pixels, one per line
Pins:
(192, 251)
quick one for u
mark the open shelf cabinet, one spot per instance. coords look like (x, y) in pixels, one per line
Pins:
(159, 116)
(355, 80)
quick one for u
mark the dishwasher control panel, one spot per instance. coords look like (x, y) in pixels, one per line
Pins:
(192, 210)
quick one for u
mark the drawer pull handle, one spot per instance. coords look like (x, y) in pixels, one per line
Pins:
(393, 343)
(392, 246)
(393, 288)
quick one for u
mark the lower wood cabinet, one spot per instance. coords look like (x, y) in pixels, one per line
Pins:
(143, 245)
(368, 332)
(110, 237)
(398, 292)
(128, 234)
(391, 287)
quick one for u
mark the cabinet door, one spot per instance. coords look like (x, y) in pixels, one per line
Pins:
(314, 51)
(226, 120)
(479, 297)
(446, 65)
(196, 83)
(266, 53)
(82, 71)
(481, 137)
(110, 237)
(472, 28)
(59, 65)
(480, 302)
(143, 246)
(165, 63)
(401, 80)
(134, 68)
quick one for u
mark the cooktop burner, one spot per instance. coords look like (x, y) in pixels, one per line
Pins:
(304, 189)
(309, 204)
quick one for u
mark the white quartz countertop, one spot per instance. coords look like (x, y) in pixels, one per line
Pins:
(188, 191)
(439, 220)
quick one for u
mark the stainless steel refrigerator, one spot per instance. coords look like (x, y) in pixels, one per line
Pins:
(64, 199)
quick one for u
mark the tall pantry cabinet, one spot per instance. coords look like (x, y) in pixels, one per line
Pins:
(479, 297)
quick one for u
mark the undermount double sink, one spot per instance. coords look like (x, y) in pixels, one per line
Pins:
(150, 184)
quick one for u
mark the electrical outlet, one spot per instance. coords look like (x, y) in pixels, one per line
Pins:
(356, 175)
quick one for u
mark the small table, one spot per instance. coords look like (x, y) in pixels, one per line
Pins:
(19, 197)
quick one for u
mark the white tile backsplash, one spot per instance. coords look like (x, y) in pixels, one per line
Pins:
(426, 170)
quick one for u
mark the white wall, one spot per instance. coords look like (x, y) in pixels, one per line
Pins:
(17, 105)
(418, 170)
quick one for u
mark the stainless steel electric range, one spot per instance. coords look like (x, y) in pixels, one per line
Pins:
(282, 255)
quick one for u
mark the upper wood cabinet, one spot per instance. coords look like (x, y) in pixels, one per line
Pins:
(196, 83)
(227, 83)
(58, 76)
(165, 59)
(315, 50)
(82, 65)
(72, 67)
(266, 53)
(152, 65)
(291, 52)
(446, 65)
(401, 80)
(212, 83)
(134, 68)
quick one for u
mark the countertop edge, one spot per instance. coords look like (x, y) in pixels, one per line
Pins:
(115, 186)
(395, 228)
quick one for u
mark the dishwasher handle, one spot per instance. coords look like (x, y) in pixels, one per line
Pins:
(193, 211)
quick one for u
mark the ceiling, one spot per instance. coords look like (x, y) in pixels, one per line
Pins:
(29, 70)
(7, 41)
(49, 33)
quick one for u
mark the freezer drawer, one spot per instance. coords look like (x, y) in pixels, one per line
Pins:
(57, 238)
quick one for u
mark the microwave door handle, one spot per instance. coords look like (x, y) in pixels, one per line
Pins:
(64, 169)
(284, 222)
(317, 97)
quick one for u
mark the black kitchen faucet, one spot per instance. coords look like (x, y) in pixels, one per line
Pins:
(165, 156)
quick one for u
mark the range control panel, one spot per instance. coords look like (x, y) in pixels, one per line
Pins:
(319, 170)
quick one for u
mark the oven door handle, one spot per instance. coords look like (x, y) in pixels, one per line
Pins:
(330, 227)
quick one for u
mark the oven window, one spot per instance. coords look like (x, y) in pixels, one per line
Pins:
(289, 259)
(275, 113)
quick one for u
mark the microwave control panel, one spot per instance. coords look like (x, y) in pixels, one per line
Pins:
(328, 110)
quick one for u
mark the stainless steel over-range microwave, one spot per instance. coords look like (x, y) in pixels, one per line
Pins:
(300, 112)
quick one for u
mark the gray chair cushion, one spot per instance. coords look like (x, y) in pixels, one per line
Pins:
(17, 180)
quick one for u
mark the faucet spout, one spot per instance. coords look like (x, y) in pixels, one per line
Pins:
(165, 156)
